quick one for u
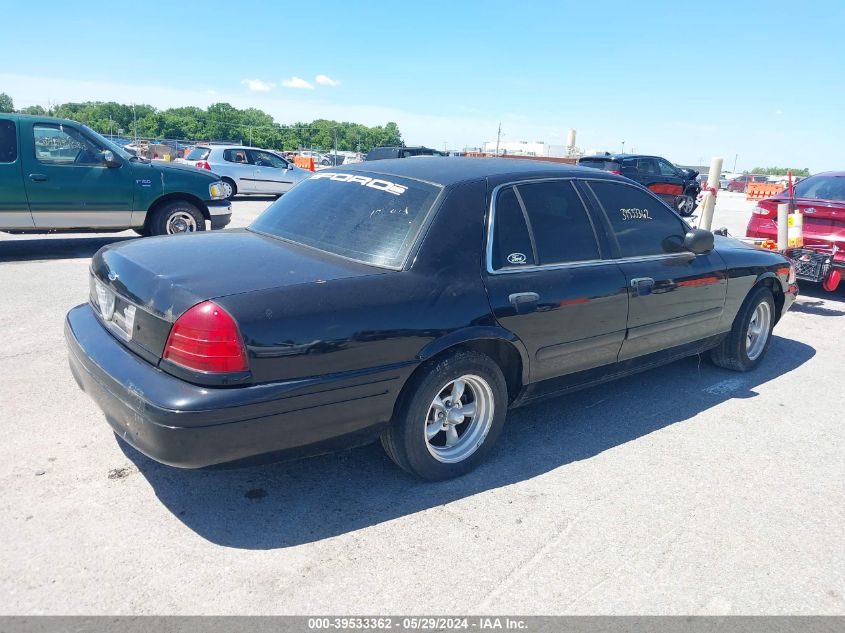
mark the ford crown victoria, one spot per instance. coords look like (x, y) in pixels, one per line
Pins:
(415, 301)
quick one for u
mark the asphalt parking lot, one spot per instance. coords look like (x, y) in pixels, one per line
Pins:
(685, 490)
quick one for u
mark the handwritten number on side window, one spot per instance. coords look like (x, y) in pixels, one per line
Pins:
(635, 214)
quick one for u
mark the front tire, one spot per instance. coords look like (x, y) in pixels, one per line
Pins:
(751, 334)
(449, 417)
(177, 217)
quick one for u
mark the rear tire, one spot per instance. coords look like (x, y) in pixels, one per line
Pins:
(229, 188)
(685, 205)
(751, 334)
(449, 417)
(175, 217)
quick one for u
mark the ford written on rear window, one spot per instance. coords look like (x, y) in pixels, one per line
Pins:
(361, 216)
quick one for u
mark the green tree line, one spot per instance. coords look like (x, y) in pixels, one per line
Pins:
(218, 122)
(780, 171)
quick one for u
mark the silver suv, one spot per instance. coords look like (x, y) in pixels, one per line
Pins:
(247, 170)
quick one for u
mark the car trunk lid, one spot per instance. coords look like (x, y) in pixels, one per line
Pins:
(155, 280)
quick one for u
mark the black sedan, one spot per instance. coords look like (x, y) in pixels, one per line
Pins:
(411, 300)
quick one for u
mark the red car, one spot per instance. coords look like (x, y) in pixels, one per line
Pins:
(740, 183)
(821, 199)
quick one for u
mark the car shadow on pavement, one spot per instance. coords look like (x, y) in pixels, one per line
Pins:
(288, 504)
(56, 248)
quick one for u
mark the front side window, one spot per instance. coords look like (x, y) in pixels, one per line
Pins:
(57, 144)
(8, 141)
(266, 159)
(358, 215)
(641, 224)
(666, 168)
(822, 188)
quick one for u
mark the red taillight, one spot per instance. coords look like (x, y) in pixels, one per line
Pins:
(762, 210)
(614, 171)
(203, 164)
(206, 338)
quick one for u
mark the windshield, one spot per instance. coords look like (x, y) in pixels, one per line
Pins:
(822, 188)
(358, 215)
(116, 149)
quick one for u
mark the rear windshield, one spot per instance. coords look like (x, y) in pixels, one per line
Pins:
(822, 188)
(606, 165)
(198, 153)
(358, 215)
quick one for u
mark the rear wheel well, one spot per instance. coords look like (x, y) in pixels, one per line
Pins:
(777, 292)
(504, 354)
(174, 197)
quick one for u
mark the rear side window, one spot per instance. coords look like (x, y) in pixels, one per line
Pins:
(606, 165)
(198, 153)
(541, 223)
(511, 240)
(234, 156)
(562, 229)
(646, 166)
(8, 142)
(641, 224)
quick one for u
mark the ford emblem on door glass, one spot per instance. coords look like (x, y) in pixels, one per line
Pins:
(516, 258)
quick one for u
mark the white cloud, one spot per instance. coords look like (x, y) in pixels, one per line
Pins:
(681, 142)
(256, 85)
(297, 82)
(325, 80)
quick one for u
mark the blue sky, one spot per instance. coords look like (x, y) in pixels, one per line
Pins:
(448, 72)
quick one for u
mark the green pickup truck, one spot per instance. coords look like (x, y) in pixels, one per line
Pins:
(58, 175)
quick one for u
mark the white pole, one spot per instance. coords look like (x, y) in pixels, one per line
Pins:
(709, 197)
(783, 224)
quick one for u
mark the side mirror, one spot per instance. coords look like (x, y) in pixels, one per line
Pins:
(109, 159)
(699, 241)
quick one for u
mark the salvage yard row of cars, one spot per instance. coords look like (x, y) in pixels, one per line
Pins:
(411, 301)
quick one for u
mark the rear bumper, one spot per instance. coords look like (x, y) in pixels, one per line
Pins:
(762, 227)
(189, 426)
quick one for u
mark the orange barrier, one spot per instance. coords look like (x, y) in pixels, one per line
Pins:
(760, 190)
(305, 162)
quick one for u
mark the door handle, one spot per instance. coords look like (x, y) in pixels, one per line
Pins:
(524, 301)
(642, 286)
(38, 177)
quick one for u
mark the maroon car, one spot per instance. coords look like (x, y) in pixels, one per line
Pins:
(821, 199)
(739, 184)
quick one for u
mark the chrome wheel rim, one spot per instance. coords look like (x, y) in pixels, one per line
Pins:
(758, 330)
(459, 419)
(227, 190)
(685, 204)
(181, 222)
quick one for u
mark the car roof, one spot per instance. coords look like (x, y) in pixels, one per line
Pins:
(446, 171)
(621, 156)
